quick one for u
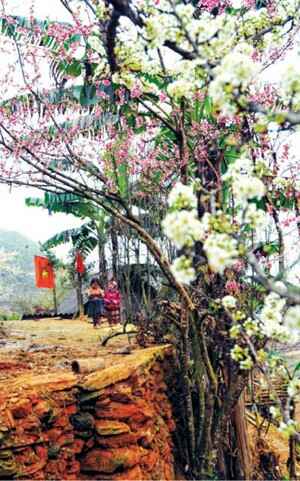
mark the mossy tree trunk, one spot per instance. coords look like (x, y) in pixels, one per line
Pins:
(212, 435)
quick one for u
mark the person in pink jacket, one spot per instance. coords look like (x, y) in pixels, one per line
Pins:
(112, 302)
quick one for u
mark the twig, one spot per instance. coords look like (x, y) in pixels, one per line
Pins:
(115, 334)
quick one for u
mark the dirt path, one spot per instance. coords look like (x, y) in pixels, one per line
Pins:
(50, 345)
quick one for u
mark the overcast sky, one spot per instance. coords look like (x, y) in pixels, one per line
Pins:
(33, 222)
(42, 8)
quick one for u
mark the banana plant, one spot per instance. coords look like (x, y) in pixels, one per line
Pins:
(83, 238)
(91, 234)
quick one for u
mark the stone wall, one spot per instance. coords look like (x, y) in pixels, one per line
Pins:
(112, 424)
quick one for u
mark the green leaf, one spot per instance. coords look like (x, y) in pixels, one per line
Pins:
(73, 69)
(297, 368)
(77, 92)
(48, 42)
(154, 79)
(231, 154)
(34, 202)
(88, 95)
(208, 109)
(64, 203)
(260, 203)
(230, 10)
(83, 238)
(122, 180)
(197, 112)
(140, 130)
(157, 177)
(131, 120)
(73, 38)
(225, 194)
(271, 248)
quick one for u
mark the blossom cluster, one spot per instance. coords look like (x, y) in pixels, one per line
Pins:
(271, 317)
(242, 356)
(244, 183)
(277, 321)
(184, 228)
(221, 251)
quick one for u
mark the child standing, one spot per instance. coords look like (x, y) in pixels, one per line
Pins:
(95, 304)
(112, 302)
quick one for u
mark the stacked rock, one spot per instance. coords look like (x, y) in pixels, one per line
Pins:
(115, 424)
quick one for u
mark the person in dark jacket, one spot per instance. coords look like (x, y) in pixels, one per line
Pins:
(94, 308)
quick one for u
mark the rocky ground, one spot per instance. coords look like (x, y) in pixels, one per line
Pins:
(112, 423)
(34, 352)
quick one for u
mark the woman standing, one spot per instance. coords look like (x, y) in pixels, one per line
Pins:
(112, 302)
(95, 304)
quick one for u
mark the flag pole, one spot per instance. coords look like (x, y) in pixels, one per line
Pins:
(55, 301)
(80, 295)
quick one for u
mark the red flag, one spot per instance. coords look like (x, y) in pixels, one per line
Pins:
(80, 267)
(44, 273)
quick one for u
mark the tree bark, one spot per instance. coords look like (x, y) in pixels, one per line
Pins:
(115, 248)
(102, 264)
(240, 425)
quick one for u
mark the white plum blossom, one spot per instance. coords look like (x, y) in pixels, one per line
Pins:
(183, 228)
(236, 70)
(251, 327)
(274, 301)
(256, 218)
(235, 331)
(221, 251)
(290, 83)
(293, 388)
(241, 355)
(289, 428)
(124, 78)
(275, 412)
(79, 52)
(229, 302)
(206, 26)
(185, 12)
(96, 44)
(183, 270)
(280, 182)
(281, 288)
(238, 353)
(292, 321)
(255, 20)
(182, 197)
(180, 89)
(297, 185)
(242, 165)
(272, 318)
(246, 187)
(206, 221)
(292, 316)
(246, 363)
(156, 31)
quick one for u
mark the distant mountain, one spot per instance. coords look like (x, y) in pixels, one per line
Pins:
(17, 284)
